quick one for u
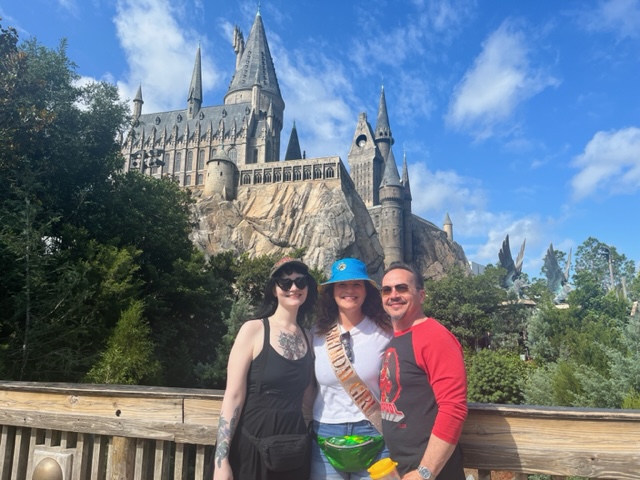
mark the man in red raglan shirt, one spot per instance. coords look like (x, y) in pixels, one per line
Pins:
(423, 384)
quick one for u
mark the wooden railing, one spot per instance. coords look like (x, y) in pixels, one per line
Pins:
(99, 432)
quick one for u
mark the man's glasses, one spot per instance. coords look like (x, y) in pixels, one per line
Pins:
(345, 339)
(286, 283)
(400, 288)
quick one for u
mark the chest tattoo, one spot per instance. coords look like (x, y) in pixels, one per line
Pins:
(292, 345)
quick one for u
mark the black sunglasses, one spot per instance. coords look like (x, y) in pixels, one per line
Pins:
(400, 288)
(286, 283)
(345, 339)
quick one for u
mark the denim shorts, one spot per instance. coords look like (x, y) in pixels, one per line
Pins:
(321, 469)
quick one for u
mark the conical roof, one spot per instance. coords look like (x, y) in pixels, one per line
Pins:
(195, 88)
(256, 63)
(391, 177)
(293, 148)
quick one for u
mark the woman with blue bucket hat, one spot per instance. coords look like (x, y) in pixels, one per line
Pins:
(350, 335)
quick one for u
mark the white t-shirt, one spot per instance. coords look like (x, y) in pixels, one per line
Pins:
(333, 404)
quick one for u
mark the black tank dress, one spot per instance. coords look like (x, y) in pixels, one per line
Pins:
(273, 406)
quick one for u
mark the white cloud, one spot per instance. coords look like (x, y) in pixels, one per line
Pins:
(620, 17)
(160, 49)
(316, 95)
(609, 165)
(500, 79)
(70, 6)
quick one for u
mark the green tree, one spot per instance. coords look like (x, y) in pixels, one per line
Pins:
(604, 262)
(465, 303)
(129, 357)
(496, 376)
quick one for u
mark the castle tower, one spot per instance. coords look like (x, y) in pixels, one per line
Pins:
(194, 101)
(448, 227)
(255, 83)
(221, 175)
(408, 216)
(384, 139)
(366, 163)
(137, 104)
(293, 148)
(392, 199)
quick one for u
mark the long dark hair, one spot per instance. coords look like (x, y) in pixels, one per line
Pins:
(270, 301)
(327, 311)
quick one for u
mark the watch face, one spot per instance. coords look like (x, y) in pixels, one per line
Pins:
(424, 472)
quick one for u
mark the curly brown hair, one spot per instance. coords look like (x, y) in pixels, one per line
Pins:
(327, 309)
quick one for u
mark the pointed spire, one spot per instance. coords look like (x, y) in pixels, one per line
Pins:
(293, 148)
(137, 103)
(195, 88)
(405, 178)
(384, 138)
(391, 177)
(256, 63)
(447, 220)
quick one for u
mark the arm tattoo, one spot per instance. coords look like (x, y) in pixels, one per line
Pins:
(292, 346)
(225, 434)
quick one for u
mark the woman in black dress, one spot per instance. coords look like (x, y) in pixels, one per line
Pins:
(269, 372)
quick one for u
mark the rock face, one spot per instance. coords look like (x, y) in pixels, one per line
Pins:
(327, 218)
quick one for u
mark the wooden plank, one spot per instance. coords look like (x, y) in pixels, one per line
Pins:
(99, 457)
(202, 411)
(81, 458)
(7, 443)
(33, 437)
(121, 458)
(138, 473)
(20, 454)
(179, 470)
(124, 408)
(161, 461)
(168, 431)
(200, 457)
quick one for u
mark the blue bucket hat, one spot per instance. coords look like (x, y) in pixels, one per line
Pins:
(349, 269)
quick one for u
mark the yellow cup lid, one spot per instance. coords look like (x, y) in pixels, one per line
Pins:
(381, 468)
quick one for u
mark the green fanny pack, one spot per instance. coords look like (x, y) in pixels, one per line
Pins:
(351, 453)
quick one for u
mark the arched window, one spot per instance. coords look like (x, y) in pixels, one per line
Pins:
(317, 173)
(189, 165)
(246, 179)
(329, 172)
(267, 177)
(255, 156)
(306, 174)
(213, 152)
(178, 163)
(257, 178)
(187, 180)
(287, 175)
(199, 179)
(233, 155)
(201, 160)
(297, 175)
(277, 176)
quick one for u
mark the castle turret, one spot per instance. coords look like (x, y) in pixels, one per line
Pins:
(254, 82)
(448, 227)
(137, 104)
(194, 101)
(293, 148)
(221, 175)
(384, 138)
(392, 212)
(366, 163)
(408, 216)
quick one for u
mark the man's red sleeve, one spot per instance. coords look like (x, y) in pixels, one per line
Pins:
(439, 354)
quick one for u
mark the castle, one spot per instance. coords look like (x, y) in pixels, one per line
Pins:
(233, 150)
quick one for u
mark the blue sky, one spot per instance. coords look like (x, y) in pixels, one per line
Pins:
(518, 117)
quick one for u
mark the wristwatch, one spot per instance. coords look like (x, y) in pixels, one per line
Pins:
(424, 472)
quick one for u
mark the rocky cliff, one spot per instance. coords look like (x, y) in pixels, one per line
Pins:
(327, 218)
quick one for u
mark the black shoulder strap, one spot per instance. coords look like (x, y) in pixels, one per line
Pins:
(265, 349)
